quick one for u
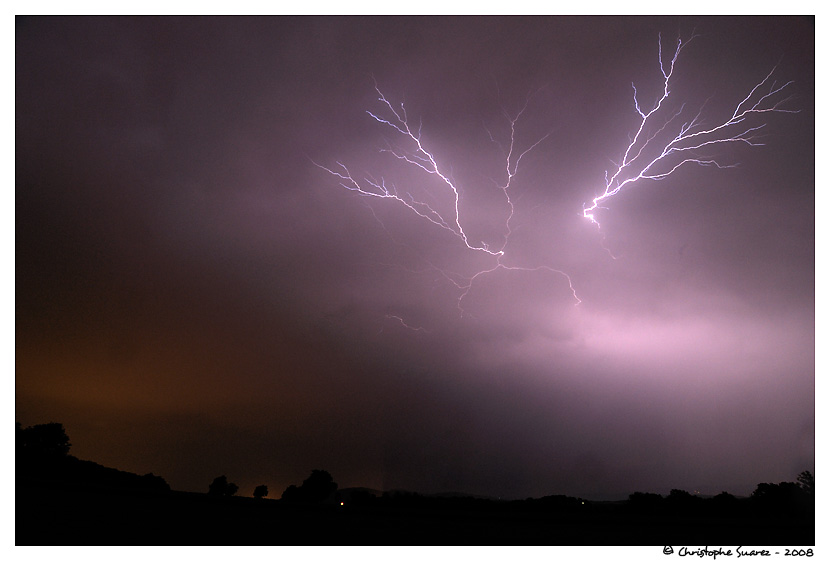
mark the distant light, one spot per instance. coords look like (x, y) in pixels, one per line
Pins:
(341, 503)
(583, 502)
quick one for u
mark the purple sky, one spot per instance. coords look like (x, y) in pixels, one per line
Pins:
(194, 297)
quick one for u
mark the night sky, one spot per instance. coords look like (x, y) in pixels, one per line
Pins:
(195, 297)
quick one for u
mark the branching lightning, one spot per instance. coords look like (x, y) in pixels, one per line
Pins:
(418, 156)
(639, 161)
(660, 146)
(414, 152)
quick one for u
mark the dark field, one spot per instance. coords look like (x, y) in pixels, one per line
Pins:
(61, 514)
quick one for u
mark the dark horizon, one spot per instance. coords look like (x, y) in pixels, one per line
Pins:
(86, 503)
(45, 461)
(195, 297)
(30, 471)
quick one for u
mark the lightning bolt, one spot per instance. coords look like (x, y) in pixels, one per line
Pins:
(413, 151)
(417, 155)
(659, 147)
(403, 323)
(647, 158)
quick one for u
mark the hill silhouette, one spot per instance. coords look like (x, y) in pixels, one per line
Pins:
(42, 457)
(62, 500)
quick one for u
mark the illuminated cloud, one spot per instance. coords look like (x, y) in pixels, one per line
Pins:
(192, 290)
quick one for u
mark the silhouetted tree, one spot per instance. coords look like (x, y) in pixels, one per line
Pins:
(291, 494)
(261, 491)
(218, 485)
(317, 488)
(43, 441)
(723, 504)
(681, 501)
(680, 496)
(645, 502)
(785, 498)
(319, 485)
(724, 500)
(765, 492)
(221, 487)
(805, 479)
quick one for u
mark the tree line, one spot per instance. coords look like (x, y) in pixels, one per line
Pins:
(42, 453)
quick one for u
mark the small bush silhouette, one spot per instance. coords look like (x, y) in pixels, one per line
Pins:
(222, 488)
(261, 491)
(317, 488)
